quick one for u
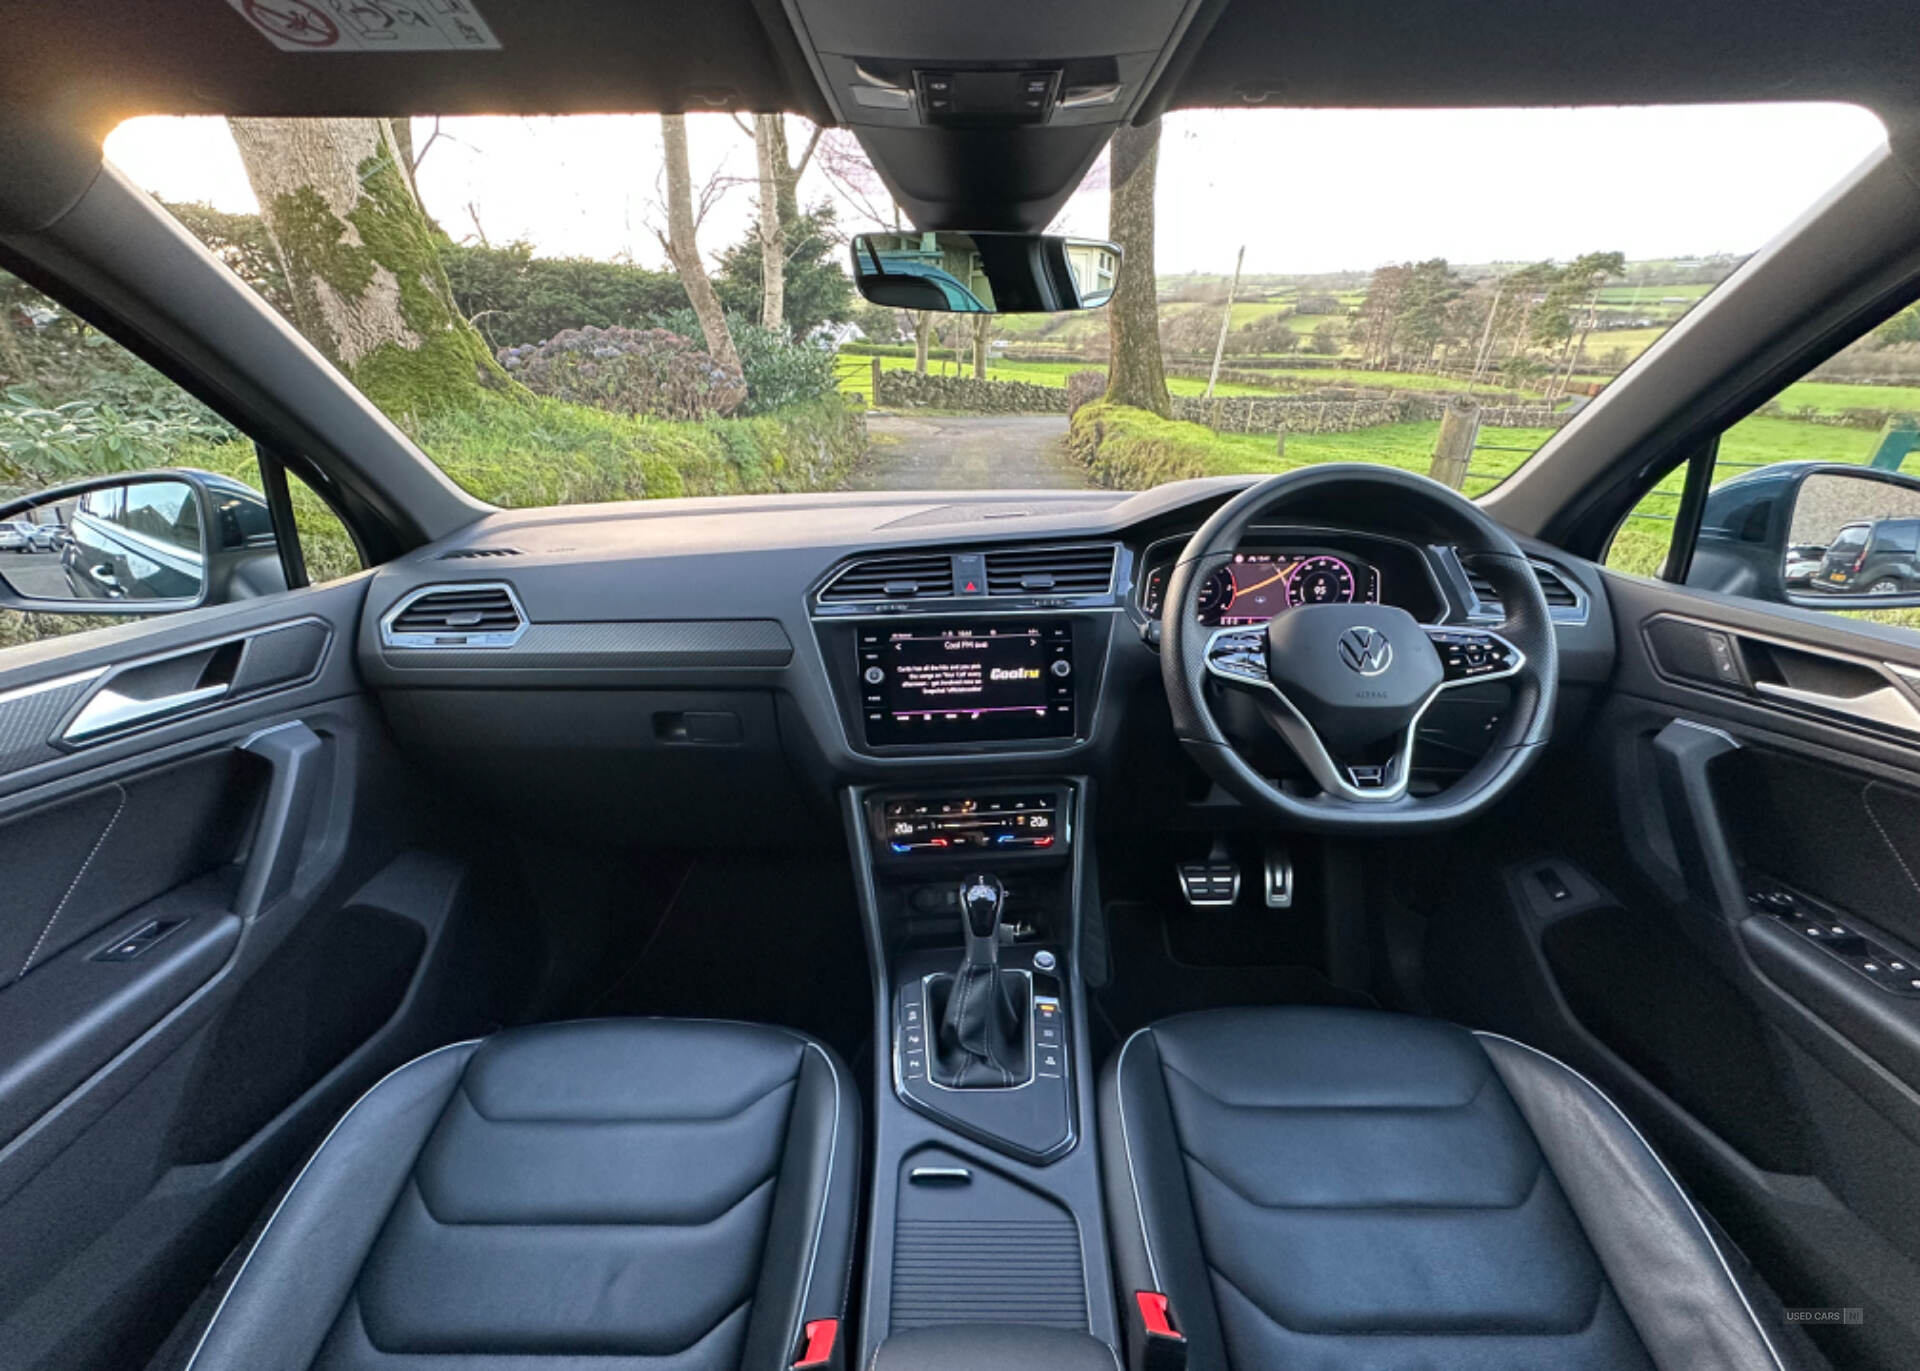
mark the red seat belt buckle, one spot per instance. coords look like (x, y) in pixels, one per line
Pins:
(1163, 1346)
(817, 1349)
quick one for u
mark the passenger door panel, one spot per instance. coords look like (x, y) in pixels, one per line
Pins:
(216, 930)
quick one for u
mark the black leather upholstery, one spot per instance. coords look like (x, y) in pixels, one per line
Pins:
(618, 1194)
(980, 1040)
(1344, 1188)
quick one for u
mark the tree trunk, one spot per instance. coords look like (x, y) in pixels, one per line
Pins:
(362, 262)
(922, 336)
(982, 331)
(1136, 374)
(770, 145)
(682, 248)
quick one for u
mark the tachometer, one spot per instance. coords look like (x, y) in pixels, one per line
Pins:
(1321, 581)
(1216, 593)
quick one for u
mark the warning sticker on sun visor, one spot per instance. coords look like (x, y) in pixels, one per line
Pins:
(369, 25)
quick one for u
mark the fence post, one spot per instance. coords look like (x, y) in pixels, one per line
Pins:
(876, 383)
(1459, 429)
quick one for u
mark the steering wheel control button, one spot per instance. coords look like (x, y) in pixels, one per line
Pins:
(1467, 653)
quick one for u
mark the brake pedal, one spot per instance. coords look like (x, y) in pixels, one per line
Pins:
(1211, 883)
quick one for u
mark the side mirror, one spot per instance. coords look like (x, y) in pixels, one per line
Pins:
(984, 273)
(1853, 540)
(150, 543)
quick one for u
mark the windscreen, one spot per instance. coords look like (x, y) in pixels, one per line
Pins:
(583, 309)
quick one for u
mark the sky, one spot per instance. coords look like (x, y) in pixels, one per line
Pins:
(1305, 191)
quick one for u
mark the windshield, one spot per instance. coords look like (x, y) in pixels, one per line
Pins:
(581, 309)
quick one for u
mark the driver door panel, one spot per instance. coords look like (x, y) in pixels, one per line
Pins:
(1721, 958)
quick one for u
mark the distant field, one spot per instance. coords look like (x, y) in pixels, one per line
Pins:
(1831, 397)
(1651, 295)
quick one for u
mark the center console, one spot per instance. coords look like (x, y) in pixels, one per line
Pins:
(987, 1206)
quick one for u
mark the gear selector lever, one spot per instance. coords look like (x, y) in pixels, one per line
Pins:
(980, 1040)
(981, 900)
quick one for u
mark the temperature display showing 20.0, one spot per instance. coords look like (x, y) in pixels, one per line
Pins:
(1255, 586)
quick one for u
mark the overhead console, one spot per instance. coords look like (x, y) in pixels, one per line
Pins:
(1038, 89)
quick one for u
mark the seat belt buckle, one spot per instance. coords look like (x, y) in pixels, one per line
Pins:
(816, 1345)
(1159, 1344)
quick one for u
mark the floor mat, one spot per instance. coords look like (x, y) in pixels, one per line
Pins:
(767, 940)
(1149, 983)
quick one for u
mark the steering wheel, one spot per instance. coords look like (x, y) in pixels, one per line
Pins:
(1346, 685)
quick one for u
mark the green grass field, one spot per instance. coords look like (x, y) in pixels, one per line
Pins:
(1831, 397)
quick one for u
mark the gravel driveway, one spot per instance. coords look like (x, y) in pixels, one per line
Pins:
(967, 452)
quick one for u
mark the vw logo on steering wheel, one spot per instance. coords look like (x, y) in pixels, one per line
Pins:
(1365, 650)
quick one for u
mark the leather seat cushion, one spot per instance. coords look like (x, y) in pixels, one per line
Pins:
(1341, 1188)
(637, 1193)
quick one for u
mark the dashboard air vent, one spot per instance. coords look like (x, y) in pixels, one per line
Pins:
(476, 615)
(1559, 594)
(892, 578)
(1051, 570)
(463, 553)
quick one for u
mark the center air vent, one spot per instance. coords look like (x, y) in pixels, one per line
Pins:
(1051, 571)
(1558, 593)
(892, 578)
(476, 615)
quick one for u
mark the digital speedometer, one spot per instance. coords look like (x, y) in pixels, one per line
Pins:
(1321, 581)
(1255, 586)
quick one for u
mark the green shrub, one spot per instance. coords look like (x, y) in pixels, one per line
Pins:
(515, 298)
(44, 445)
(781, 374)
(1133, 449)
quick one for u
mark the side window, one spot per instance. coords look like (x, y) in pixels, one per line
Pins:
(1814, 499)
(120, 494)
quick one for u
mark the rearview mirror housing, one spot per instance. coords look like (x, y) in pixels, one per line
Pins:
(984, 273)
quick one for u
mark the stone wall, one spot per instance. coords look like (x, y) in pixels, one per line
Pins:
(1343, 412)
(911, 390)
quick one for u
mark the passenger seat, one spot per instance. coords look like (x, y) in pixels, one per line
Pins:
(675, 1195)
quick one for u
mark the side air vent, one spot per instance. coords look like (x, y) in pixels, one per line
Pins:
(1051, 570)
(472, 615)
(1559, 594)
(892, 578)
(461, 554)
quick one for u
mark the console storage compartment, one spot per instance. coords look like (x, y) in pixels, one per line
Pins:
(968, 1347)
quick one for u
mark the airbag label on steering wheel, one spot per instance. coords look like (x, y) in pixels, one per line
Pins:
(369, 25)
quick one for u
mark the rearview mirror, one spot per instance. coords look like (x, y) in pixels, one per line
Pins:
(150, 543)
(984, 273)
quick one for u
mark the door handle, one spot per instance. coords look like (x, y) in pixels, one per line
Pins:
(1886, 705)
(109, 711)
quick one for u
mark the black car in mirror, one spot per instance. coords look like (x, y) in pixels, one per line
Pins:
(151, 542)
(984, 273)
(1812, 533)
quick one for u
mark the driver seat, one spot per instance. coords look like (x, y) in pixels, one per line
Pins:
(1336, 1188)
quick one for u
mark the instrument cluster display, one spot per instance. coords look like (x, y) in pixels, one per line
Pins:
(1255, 586)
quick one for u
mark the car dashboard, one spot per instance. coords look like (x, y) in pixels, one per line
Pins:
(791, 646)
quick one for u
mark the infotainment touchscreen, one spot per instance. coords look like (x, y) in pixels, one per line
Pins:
(987, 681)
